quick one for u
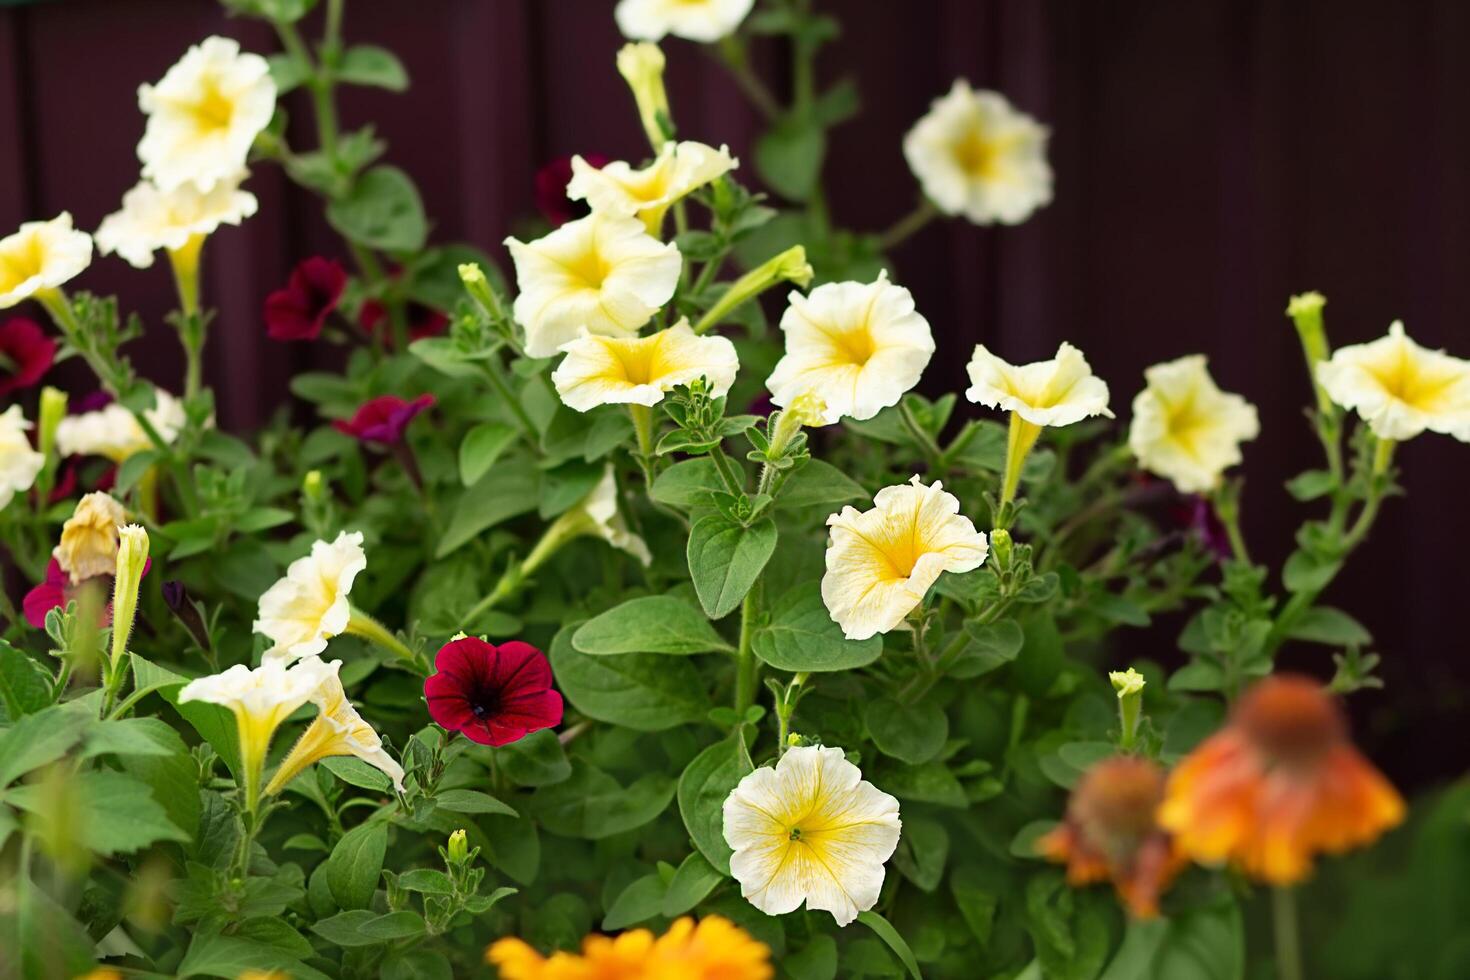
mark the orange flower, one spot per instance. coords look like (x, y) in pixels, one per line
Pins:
(1110, 833)
(1277, 785)
(715, 949)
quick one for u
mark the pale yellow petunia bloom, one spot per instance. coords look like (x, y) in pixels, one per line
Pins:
(678, 170)
(1055, 392)
(40, 257)
(1185, 429)
(810, 830)
(337, 730)
(19, 461)
(1400, 388)
(640, 370)
(881, 562)
(113, 431)
(695, 20)
(173, 221)
(309, 606)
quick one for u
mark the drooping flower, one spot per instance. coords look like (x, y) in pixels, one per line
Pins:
(300, 309)
(1185, 428)
(1111, 833)
(174, 220)
(603, 274)
(678, 170)
(309, 606)
(977, 155)
(40, 257)
(493, 695)
(337, 730)
(881, 562)
(19, 463)
(26, 353)
(89, 537)
(640, 370)
(383, 419)
(810, 830)
(260, 700)
(421, 319)
(705, 21)
(114, 432)
(858, 346)
(1400, 388)
(551, 189)
(1278, 785)
(204, 115)
(1057, 392)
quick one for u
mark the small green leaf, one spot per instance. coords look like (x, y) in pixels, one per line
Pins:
(383, 210)
(355, 772)
(25, 686)
(650, 624)
(471, 801)
(817, 482)
(990, 646)
(1333, 627)
(513, 488)
(640, 901)
(913, 733)
(38, 739)
(687, 484)
(646, 692)
(367, 64)
(480, 449)
(725, 559)
(592, 805)
(789, 157)
(692, 883)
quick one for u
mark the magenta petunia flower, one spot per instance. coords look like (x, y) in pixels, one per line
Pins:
(423, 321)
(26, 353)
(313, 291)
(383, 419)
(551, 189)
(493, 695)
(56, 591)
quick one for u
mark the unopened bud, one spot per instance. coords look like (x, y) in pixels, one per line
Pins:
(132, 557)
(312, 486)
(1001, 547)
(52, 411)
(459, 848)
(642, 67)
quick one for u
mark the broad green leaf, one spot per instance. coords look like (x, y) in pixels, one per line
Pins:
(643, 691)
(367, 64)
(913, 733)
(703, 787)
(817, 960)
(650, 624)
(25, 686)
(219, 955)
(480, 449)
(922, 852)
(895, 942)
(691, 884)
(536, 760)
(132, 736)
(990, 646)
(930, 783)
(471, 801)
(1040, 659)
(427, 880)
(817, 482)
(1304, 572)
(789, 157)
(640, 901)
(38, 739)
(356, 863)
(687, 484)
(802, 636)
(1324, 624)
(382, 210)
(725, 559)
(40, 938)
(355, 772)
(592, 805)
(512, 488)
(107, 812)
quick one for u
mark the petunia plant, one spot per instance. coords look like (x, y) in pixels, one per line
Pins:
(636, 606)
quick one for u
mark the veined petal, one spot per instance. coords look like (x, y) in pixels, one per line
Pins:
(678, 170)
(41, 255)
(152, 219)
(1400, 388)
(640, 370)
(1185, 428)
(309, 606)
(1056, 392)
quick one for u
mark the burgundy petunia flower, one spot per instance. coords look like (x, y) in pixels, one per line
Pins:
(1197, 514)
(493, 695)
(313, 291)
(423, 321)
(551, 189)
(26, 353)
(383, 419)
(56, 591)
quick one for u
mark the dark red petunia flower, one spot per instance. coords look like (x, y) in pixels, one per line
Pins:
(551, 189)
(493, 695)
(26, 353)
(423, 321)
(56, 591)
(383, 419)
(313, 291)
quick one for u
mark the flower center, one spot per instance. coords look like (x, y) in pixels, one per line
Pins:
(855, 346)
(1409, 382)
(975, 154)
(22, 262)
(213, 110)
(588, 269)
(795, 834)
(1290, 720)
(484, 705)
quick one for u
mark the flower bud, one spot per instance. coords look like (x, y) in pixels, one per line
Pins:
(475, 283)
(789, 266)
(459, 848)
(1129, 686)
(52, 411)
(1001, 548)
(311, 486)
(1305, 310)
(642, 67)
(132, 556)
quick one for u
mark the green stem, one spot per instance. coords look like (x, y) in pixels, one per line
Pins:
(365, 626)
(502, 388)
(1288, 937)
(726, 469)
(926, 442)
(909, 225)
(733, 56)
(745, 662)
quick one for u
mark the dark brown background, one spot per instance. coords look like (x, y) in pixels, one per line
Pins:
(1212, 157)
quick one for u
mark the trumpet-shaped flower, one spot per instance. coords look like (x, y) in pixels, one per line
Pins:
(19, 463)
(857, 346)
(603, 274)
(678, 170)
(493, 695)
(89, 538)
(1399, 388)
(114, 432)
(337, 730)
(152, 219)
(1057, 392)
(260, 700)
(1185, 428)
(640, 370)
(300, 309)
(204, 115)
(881, 562)
(309, 606)
(26, 353)
(810, 829)
(383, 419)
(40, 257)
(705, 21)
(975, 154)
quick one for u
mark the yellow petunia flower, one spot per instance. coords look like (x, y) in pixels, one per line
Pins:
(705, 21)
(1185, 428)
(976, 155)
(114, 432)
(19, 463)
(175, 221)
(41, 257)
(337, 730)
(678, 170)
(857, 346)
(204, 115)
(89, 538)
(640, 370)
(603, 274)
(1400, 388)
(810, 830)
(309, 605)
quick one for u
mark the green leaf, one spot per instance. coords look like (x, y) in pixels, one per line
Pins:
(218, 955)
(1040, 659)
(687, 484)
(913, 733)
(480, 449)
(1333, 627)
(356, 863)
(367, 64)
(361, 927)
(109, 812)
(643, 691)
(889, 935)
(818, 482)
(815, 961)
(703, 787)
(691, 884)
(132, 470)
(403, 924)
(536, 760)
(471, 801)
(930, 783)
(355, 772)
(1311, 484)
(38, 739)
(426, 880)
(382, 210)
(651, 624)
(990, 646)
(725, 559)
(512, 488)
(40, 937)
(132, 736)
(1305, 572)
(922, 852)
(802, 636)
(25, 686)
(789, 157)
(592, 805)
(640, 901)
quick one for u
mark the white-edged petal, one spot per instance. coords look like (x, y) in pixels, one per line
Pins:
(1055, 392)
(640, 370)
(309, 606)
(1400, 388)
(618, 188)
(114, 432)
(600, 507)
(1185, 428)
(19, 462)
(153, 219)
(705, 21)
(41, 255)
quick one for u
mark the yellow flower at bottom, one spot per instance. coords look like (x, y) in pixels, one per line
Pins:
(1399, 388)
(810, 830)
(639, 370)
(881, 562)
(715, 949)
(89, 538)
(337, 730)
(1185, 428)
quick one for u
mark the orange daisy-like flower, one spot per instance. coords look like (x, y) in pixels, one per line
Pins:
(1111, 833)
(1277, 785)
(715, 949)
